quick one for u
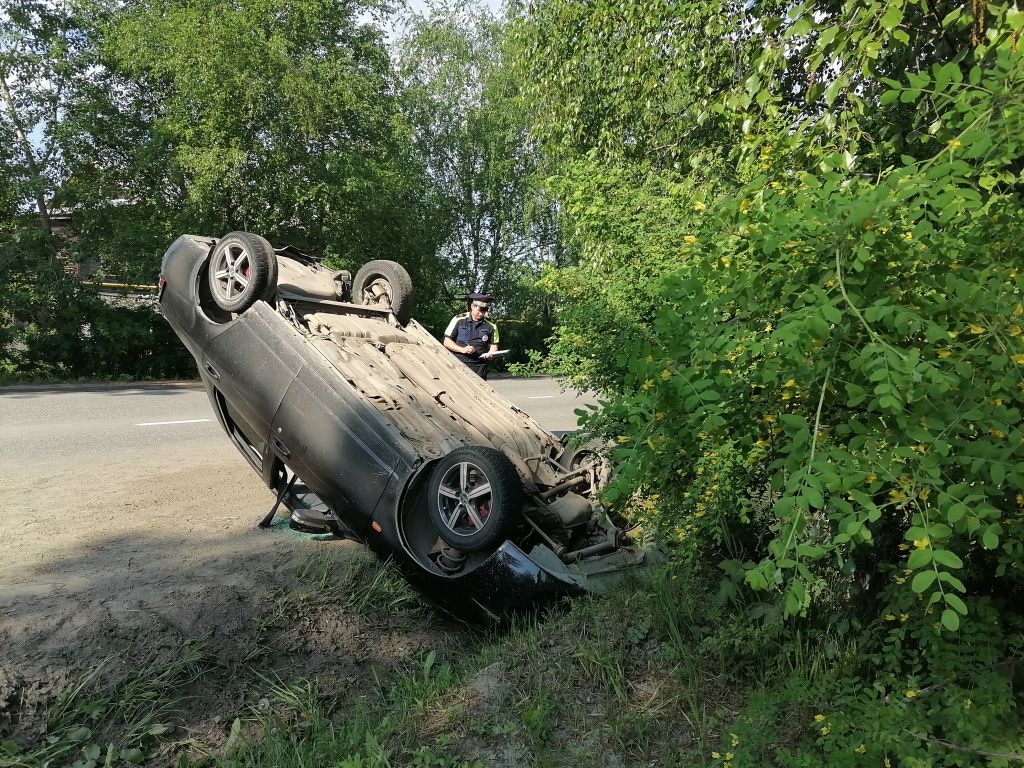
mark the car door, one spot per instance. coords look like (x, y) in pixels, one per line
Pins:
(338, 443)
(251, 364)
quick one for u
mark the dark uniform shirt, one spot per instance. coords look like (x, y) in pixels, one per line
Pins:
(479, 334)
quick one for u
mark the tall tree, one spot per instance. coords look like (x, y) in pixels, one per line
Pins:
(41, 65)
(463, 100)
(277, 116)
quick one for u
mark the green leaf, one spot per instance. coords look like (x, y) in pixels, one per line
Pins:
(134, 755)
(800, 27)
(923, 580)
(950, 620)
(9, 747)
(954, 602)
(919, 557)
(990, 538)
(813, 497)
(998, 471)
(947, 558)
(893, 16)
(78, 733)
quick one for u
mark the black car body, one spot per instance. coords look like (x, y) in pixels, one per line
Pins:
(327, 383)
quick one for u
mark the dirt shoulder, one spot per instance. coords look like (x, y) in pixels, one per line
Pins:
(126, 566)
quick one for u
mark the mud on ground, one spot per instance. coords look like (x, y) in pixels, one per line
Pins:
(122, 570)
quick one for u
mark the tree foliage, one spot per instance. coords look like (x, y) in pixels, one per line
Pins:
(803, 301)
(275, 116)
(464, 99)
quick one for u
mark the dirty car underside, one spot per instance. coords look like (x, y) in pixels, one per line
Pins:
(347, 406)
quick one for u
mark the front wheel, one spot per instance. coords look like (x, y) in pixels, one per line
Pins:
(384, 283)
(242, 270)
(475, 498)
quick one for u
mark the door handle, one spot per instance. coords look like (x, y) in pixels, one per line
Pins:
(212, 371)
(281, 448)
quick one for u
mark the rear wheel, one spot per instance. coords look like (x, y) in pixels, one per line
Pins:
(591, 456)
(386, 284)
(475, 498)
(242, 270)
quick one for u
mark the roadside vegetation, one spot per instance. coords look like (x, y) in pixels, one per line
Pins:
(781, 240)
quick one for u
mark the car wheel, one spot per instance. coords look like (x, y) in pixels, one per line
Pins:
(243, 270)
(475, 497)
(591, 456)
(387, 284)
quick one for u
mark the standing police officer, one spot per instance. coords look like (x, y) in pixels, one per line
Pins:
(471, 337)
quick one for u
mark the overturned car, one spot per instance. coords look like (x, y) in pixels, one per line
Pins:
(354, 414)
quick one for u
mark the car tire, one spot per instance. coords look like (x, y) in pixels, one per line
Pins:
(592, 452)
(242, 270)
(384, 283)
(475, 498)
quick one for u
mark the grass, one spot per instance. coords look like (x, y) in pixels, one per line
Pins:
(93, 722)
(657, 673)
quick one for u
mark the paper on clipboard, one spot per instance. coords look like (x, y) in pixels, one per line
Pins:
(499, 353)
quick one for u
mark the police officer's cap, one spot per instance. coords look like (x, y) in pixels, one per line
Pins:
(483, 298)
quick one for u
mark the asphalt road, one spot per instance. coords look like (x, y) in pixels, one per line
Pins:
(57, 427)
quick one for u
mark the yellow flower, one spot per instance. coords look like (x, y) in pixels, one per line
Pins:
(888, 763)
(699, 206)
(968, 703)
(904, 617)
(825, 730)
(790, 383)
(922, 543)
(954, 144)
(729, 755)
(901, 580)
(818, 718)
(689, 239)
(768, 328)
(623, 438)
(648, 385)
(870, 478)
(659, 416)
(666, 375)
(904, 547)
(1015, 330)
(716, 755)
(976, 329)
(1018, 310)
(911, 694)
(1018, 359)
(648, 359)
(735, 740)
(889, 617)
(944, 353)
(861, 749)
(908, 236)
(744, 206)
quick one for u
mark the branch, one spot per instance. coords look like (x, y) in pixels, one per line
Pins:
(967, 750)
(26, 148)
